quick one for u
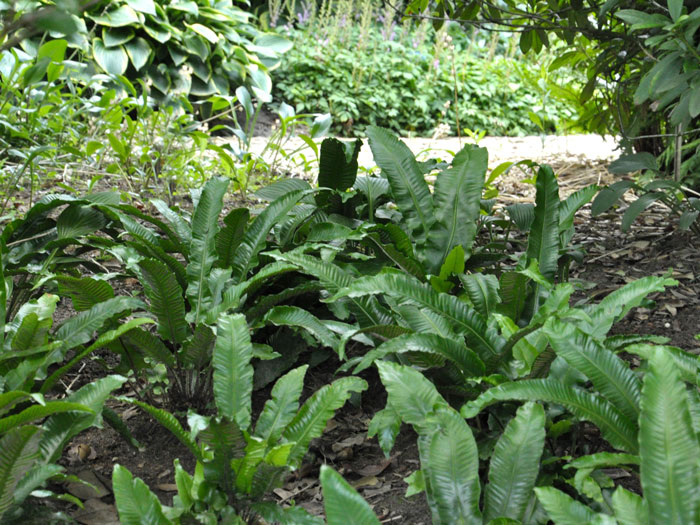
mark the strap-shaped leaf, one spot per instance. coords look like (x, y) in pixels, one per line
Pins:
(77, 221)
(573, 203)
(616, 304)
(543, 241)
(373, 188)
(483, 340)
(233, 373)
(79, 329)
(609, 374)
(465, 359)
(311, 419)
(298, 317)
(85, 292)
(411, 394)
(135, 502)
(18, 453)
(202, 248)
(36, 412)
(482, 290)
(408, 186)
(630, 508)
(230, 236)
(180, 226)
(167, 301)
(515, 464)
(619, 430)
(31, 333)
(282, 406)
(562, 508)
(254, 239)
(335, 169)
(457, 204)
(668, 446)
(450, 460)
(342, 502)
(59, 429)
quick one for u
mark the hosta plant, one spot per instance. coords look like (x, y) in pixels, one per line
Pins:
(238, 462)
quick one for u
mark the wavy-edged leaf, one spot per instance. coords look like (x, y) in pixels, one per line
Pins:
(169, 422)
(337, 167)
(282, 406)
(618, 303)
(603, 460)
(373, 188)
(268, 302)
(59, 429)
(179, 225)
(609, 374)
(411, 394)
(103, 340)
(630, 508)
(342, 502)
(543, 241)
(422, 320)
(395, 256)
(36, 412)
(457, 205)
(637, 207)
(465, 359)
(513, 291)
(515, 464)
(167, 301)
(145, 343)
(85, 292)
(202, 248)
(482, 290)
(483, 340)
(311, 419)
(573, 203)
(31, 333)
(450, 462)
(562, 508)
(333, 278)
(408, 186)
(18, 453)
(522, 214)
(77, 221)
(37, 476)
(385, 425)
(298, 317)
(230, 236)
(620, 431)
(135, 502)
(254, 239)
(79, 329)
(668, 446)
(233, 373)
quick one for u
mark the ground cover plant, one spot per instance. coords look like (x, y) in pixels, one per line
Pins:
(413, 295)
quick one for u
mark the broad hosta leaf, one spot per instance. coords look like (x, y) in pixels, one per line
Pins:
(609, 374)
(408, 186)
(139, 51)
(167, 301)
(450, 461)
(135, 502)
(311, 419)
(668, 446)
(233, 373)
(122, 16)
(18, 453)
(515, 464)
(282, 406)
(411, 394)
(543, 241)
(113, 60)
(77, 221)
(342, 502)
(144, 6)
(465, 359)
(457, 204)
(484, 341)
(295, 316)
(619, 430)
(79, 329)
(562, 508)
(202, 249)
(254, 239)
